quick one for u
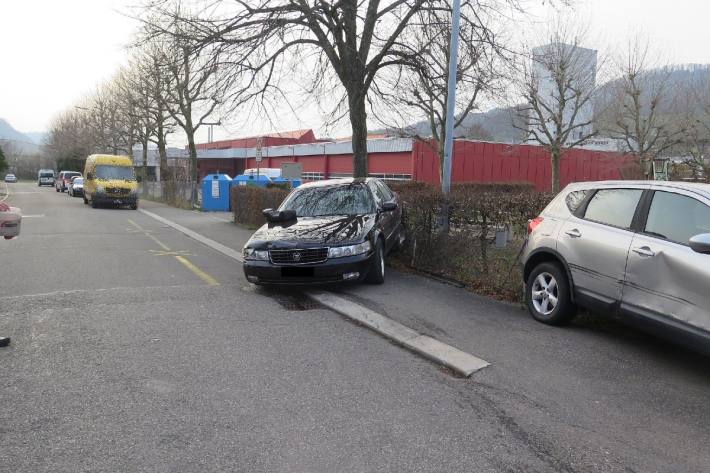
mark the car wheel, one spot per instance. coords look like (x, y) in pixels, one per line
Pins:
(377, 271)
(134, 206)
(56, 189)
(547, 293)
(93, 204)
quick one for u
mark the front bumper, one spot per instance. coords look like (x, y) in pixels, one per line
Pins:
(330, 271)
(76, 192)
(115, 200)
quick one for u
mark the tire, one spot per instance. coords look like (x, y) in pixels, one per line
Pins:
(376, 275)
(547, 294)
(93, 204)
(134, 206)
(56, 189)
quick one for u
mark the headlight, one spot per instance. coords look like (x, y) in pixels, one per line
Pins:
(350, 250)
(99, 189)
(255, 255)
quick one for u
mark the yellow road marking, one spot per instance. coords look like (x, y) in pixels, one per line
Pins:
(179, 255)
(170, 253)
(197, 271)
(160, 243)
(135, 225)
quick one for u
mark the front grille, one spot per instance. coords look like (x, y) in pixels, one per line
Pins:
(117, 191)
(304, 256)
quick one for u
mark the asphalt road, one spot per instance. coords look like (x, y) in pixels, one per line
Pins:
(136, 348)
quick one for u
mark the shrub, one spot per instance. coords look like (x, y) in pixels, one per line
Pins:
(464, 252)
(248, 202)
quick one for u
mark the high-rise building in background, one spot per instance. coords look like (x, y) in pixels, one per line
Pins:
(582, 63)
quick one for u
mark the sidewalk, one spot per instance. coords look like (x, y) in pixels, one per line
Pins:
(217, 226)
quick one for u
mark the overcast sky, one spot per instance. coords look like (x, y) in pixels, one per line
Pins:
(53, 52)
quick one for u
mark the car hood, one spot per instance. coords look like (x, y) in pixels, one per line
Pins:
(313, 231)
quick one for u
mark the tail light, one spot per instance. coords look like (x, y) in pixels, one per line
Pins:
(534, 223)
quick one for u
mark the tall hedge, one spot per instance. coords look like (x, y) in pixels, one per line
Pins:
(248, 202)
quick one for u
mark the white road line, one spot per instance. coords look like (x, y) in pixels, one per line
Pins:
(196, 236)
(33, 216)
(461, 362)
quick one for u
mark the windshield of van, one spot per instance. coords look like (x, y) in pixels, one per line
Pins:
(115, 172)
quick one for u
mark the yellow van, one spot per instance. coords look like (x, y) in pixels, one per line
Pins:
(110, 179)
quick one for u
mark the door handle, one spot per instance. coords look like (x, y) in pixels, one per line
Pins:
(574, 233)
(644, 251)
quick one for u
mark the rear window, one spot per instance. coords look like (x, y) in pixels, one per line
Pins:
(46, 174)
(575, 199)
(615, 207)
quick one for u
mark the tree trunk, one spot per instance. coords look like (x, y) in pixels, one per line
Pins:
(555, 161)
(193, 166)
(162, 153)
(144, 143)
(358, 122)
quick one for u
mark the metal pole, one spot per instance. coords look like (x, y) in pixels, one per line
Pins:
(451, 96)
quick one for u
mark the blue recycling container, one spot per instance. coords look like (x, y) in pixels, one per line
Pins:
(242, 180)
(293, 182)
(215, 192)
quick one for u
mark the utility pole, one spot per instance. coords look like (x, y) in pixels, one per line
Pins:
(451, 97)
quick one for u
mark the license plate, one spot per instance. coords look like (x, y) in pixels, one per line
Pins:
(288, 272)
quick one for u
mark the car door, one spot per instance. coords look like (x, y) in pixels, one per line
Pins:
(665, 279)
(595, 242)
(386, 220)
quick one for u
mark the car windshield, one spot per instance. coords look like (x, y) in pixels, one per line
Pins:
(78, 180)
(114, 172)
(336, 200)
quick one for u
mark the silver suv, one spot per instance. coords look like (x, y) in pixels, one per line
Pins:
(637, 249)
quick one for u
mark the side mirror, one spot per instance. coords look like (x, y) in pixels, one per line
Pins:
(700, 243)
(389, 206)
(275, 216)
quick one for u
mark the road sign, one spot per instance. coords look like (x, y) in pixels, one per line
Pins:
(259, 146)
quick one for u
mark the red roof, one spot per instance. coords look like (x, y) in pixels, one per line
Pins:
(294, 137)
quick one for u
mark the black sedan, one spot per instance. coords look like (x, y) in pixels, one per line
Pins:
(326, 231)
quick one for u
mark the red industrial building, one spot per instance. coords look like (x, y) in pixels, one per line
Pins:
(405, 159)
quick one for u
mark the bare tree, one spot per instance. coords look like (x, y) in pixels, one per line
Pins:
(418, 86)
(694, 118)
(195, 83)
(348, 41)
(558, 90)
(641, 96)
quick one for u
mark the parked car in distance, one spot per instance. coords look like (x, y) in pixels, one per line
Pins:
(324, 232)
(110, 179)
(45, 177)
(76, 187)
(270, 172)
(10, 178)
(636, 249)
(63, 180)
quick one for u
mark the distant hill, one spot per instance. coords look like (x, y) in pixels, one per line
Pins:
(497, 124)
(16, 141)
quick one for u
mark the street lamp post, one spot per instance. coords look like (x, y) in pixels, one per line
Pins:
(451, 96)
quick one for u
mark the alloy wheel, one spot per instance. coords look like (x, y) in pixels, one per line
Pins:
(544, 293)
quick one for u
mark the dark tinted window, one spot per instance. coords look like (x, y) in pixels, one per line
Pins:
(614, 206)
(47, 174)
(575, 199)
(677, 217)
(114, 172)
(386, 192)
(321, 201)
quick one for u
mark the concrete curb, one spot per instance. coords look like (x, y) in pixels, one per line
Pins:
(459, 361)
(225, 250)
